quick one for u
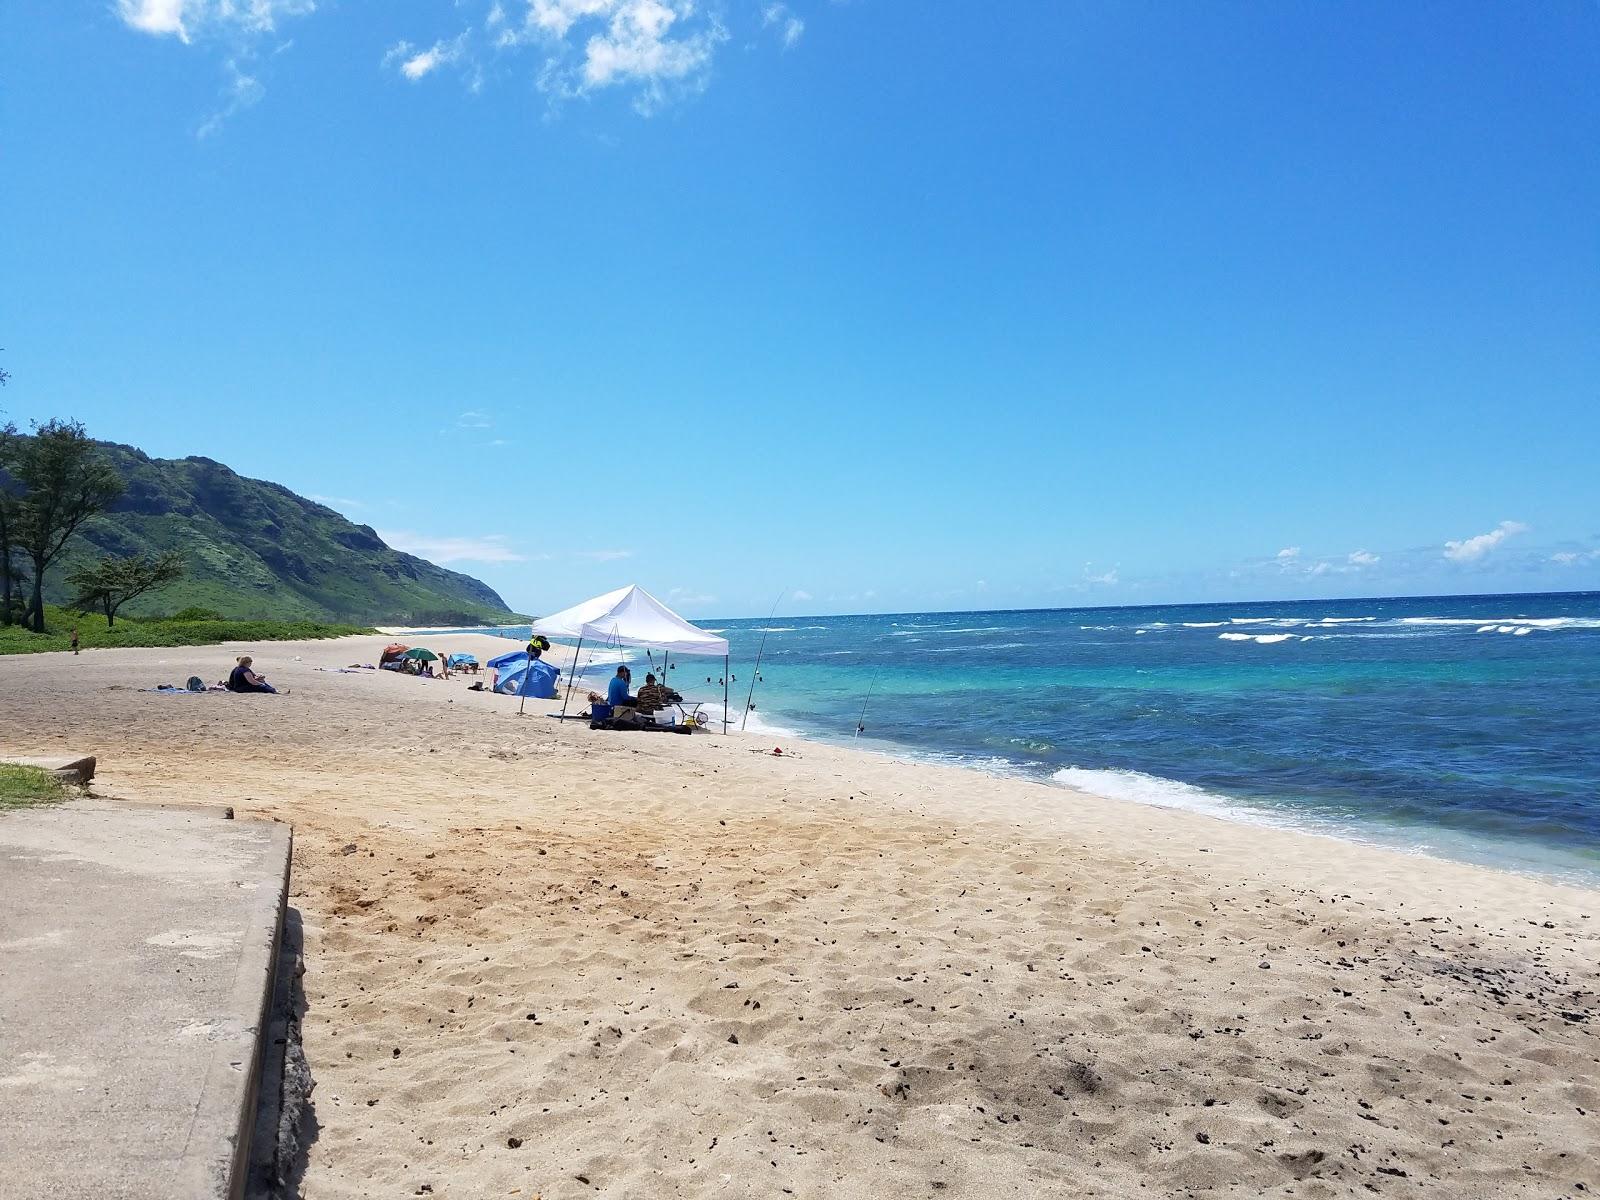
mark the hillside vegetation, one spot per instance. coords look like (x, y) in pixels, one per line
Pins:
(93, 633)
(255, 549)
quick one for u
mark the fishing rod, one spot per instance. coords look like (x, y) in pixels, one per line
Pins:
(861, 721)
(756, 674)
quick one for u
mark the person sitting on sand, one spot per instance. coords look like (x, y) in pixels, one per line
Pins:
(243, 679)
(617, 691)
(652, 696)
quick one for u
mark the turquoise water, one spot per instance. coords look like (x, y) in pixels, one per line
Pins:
(1467, 727)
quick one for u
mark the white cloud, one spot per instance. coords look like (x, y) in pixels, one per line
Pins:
(189, 19)
(1105, 577)
(1473, 548)
(1571, 558)
(604, 555)
(686, 598)
(414, 63)
(474, 419)
(1361, 558)
(490, 548)
(1288, 554)
(655, 49)
(638, 47)
(801, 594)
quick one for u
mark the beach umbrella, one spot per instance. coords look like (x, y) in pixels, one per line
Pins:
(421, 654)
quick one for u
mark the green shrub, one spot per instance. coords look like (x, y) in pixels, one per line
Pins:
(195, 613)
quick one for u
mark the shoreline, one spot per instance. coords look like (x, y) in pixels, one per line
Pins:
(1546, 859)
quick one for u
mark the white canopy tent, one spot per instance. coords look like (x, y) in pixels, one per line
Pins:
(631, 616)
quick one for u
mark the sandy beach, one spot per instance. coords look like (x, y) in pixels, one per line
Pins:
(548, 962)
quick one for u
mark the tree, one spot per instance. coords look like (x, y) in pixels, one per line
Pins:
(66, 482)
(10, 492)
(107, 585)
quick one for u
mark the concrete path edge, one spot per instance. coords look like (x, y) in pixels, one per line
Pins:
(217, 1155)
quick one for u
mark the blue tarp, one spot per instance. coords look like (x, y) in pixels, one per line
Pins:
(536, 679)
(463, 660)
(517, 657)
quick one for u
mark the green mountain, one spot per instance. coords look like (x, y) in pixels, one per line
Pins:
(256, 549)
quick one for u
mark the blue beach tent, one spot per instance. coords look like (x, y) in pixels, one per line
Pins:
(535, 678)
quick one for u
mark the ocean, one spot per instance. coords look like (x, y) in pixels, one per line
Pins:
(1466, 727)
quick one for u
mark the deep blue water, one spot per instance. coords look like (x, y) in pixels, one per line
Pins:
(1462, 726)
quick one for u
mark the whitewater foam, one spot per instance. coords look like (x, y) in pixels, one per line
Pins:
(1153, 790)
(1528, 622)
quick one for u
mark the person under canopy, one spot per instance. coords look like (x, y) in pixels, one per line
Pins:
(617, 690)
(653, 697)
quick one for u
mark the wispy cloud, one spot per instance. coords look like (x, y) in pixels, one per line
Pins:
(474, 419)
(1473, 548)
(654, 51)
(414, 63)
(1292, 560)
(239, 93)
(342, 503)
(1105, 577)
(801, 594)
(604, 555)
(1571, 558)
(488, 548)
(236, 27)
(687, 598)
(789, 27)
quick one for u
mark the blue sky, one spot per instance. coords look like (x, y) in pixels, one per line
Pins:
(895, 306)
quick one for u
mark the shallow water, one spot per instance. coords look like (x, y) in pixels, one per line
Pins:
(1462, 726)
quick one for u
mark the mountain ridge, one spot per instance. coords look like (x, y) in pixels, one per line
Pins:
(255, 548)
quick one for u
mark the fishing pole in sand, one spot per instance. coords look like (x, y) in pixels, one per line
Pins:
(756, 674)
(861, 721)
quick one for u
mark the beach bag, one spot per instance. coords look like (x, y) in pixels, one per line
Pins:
(196, 684)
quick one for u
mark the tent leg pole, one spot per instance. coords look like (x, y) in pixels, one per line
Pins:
(724, 694)
(527, 673)
(571, 675)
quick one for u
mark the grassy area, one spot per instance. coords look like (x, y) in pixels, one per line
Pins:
(24, 786)
(155, 631)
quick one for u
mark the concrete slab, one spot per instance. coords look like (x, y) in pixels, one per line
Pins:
(137, 951)
(73, 768)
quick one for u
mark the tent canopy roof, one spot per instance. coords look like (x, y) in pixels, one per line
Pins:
(630, 616)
